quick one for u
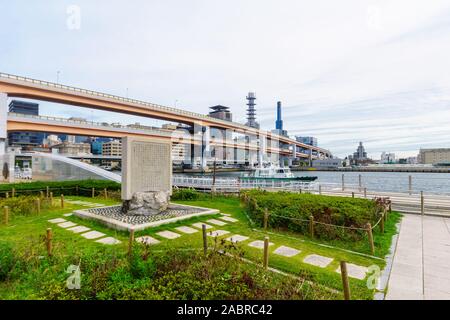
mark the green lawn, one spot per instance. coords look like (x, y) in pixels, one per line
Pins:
(23, 231)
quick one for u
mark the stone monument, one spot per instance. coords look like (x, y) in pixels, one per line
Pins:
(146, 175)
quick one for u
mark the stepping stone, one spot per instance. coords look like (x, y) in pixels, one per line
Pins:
(317, 260)
(79, 229)
(187, 230)
(258, 244)
(286, 251)
(67, 214)
(230, 219)
(217, 233)
(355, 271)
(67, 224)
(237, 238)
(57, 220)
(216, 222)
(108, 240)
(92, 235)
(147, 240)
(168, 234)
(199, 225)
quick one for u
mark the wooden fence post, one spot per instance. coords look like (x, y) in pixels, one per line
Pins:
(266, 218)
(131, 242)
(370, 237)
(41, 194)
(266, 253)
(49, 240)
(38, 205)
(77, 190)
(13, 192)
(422, 203)
(345, 282)
(360, 182)
(62, 201)
(205, 240)
(7, 195)
(106, 193)
(93, 192)
(343, 182)
(382, 221)
(47, 192)
(6, 215)
(311, 226)
(51, 198)
(353, 194)
(365, 192)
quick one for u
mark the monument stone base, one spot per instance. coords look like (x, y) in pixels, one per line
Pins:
(146, 203)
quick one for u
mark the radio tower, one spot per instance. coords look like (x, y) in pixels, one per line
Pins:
(251, 112)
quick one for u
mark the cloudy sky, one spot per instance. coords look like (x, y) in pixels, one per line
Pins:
(346, 71)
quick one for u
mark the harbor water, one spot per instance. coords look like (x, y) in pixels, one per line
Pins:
(433, 183)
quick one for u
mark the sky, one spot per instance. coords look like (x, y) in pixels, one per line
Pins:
(346, 71)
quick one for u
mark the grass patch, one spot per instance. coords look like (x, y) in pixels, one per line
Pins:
(107, 274)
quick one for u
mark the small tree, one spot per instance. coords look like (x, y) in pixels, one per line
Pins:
(5, 171)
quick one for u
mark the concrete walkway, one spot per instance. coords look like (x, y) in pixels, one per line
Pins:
(421, 265)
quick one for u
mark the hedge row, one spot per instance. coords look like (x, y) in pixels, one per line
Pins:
(76, 187)
(293, 211)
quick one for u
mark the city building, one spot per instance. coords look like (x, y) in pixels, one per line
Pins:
(112, 148)
(279, 123)
(307, 140)
(251, 111)
(24, 107)
(221, 112)
(51, 140)
(434, 156)
(360, 153)
(72, 149)
(387, 158)
(97, 145)
(327, 163)
(24, 138)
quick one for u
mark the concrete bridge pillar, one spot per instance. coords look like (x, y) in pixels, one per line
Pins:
(206, 146)
(3, 119)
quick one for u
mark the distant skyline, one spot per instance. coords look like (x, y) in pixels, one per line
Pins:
(373, 71)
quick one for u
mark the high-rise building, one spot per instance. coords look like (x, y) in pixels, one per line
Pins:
(279, 122)
(112, 148)
(360, 153)
(311, 141)
(434, 156)
(221, 112)
(24, 107)
(251, 111)
(25, 138)
(387, 158)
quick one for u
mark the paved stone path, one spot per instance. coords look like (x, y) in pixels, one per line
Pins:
(147, 240)
(84, 231)
(317, 260)
(216, 222)
(354, 271)
(237, 238)
(421, 264)
(168, 234)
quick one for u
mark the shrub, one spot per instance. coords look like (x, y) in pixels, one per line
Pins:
(185, 194)
(7, 260)
(293, 211)
(58, 187)
(23, 205)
